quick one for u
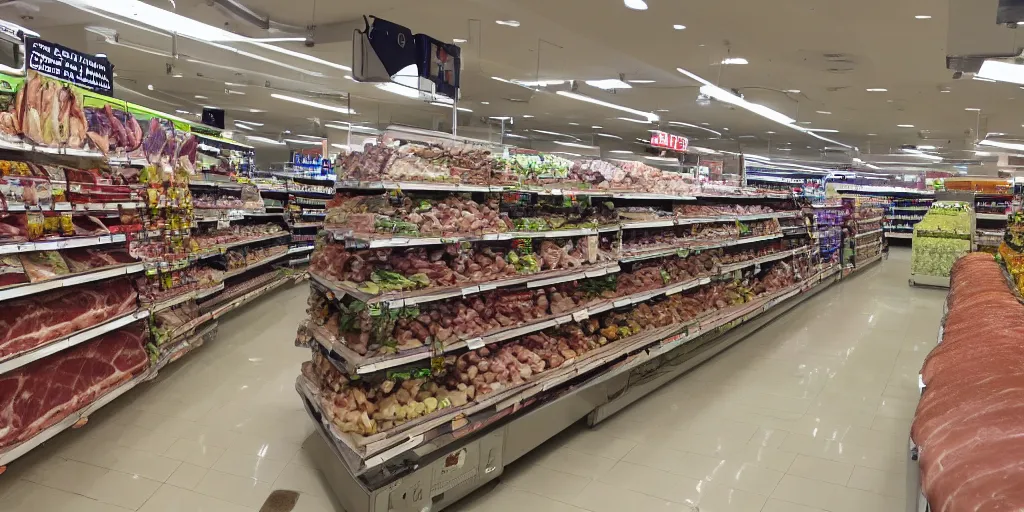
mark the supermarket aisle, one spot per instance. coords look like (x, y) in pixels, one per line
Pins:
(808, 414)
(811, 413)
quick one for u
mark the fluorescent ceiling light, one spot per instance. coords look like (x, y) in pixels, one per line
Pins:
(947, 90)
(783, 149)
(640, 81)
(250, 123)
(485, 103)
(308, 103)
(678, 123)
(665, 110)
(608, 84)
(306, 142)
(609, 136)
(565, 153)
(516, 136)
(922, 17)
(458, 40)
(650, 117)
(872, 135)
(574, 145)
(177, 75)
(877, 90)
(507, 23)
(253, 138)
(630, 119)
(993, 70)
(555, 134)
(595, 127)
(734, 61)
(233, 84)
(243, 126)
(793, 91)
(662, 159)
(636, 5)
(186, 112)
(621, 151)
(822, 130)
(1004, 145)
(986, 79)
(500, 118)
(399, 89)
(231, 91)
(526, 116)
(824, 112)
(256, 111)
(922, 154)
(574, 124)
(449, 105)
(757, 157)
(904, 126)
(150, 87)
(679, 27)
(727, 97)
(969, 109)
(198, 97)
(926, 148)
(747, 137)
(353, 128)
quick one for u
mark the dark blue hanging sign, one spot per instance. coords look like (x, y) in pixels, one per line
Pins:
(86, 71)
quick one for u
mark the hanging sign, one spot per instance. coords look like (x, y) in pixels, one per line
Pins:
(440, 63)
(60, 62)
(669, 141)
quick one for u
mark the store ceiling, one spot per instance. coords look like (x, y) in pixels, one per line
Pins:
(831, 52)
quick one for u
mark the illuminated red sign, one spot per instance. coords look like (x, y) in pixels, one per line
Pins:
(669, 141)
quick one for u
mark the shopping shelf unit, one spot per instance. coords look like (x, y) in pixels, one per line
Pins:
(303, 200)
(991, 212)
(440, 355)
(902, 214)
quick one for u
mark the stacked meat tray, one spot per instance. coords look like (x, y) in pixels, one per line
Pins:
(468, 296)
(966, 435)
(107, 274)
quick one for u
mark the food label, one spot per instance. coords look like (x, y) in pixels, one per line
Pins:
(475, 343)
(580, 316)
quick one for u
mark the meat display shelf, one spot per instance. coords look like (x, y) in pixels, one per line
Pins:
(367, 453)
(356, 364)
(264, 214)
(302, 225)
(991, 216)
(220, 249)
(367, 241)
(55, 207)
(91, 207)
(19, 360)
(869, 233)
(73, 419)
(22, 290)
(184, 297)
(617, 194)
(661, 253)
(63, 243)
(260, 263)
(300, 261)
(395, 300)
(911, 208)
(899, 235)
(218, 184)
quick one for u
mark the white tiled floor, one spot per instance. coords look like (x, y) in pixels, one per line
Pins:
(809, 414)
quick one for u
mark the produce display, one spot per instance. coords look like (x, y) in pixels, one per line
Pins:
(381, 402)
(966, 425)
(943, 236)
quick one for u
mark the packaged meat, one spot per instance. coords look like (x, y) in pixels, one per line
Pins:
(87, 225)
(44, 265)
(11, 270)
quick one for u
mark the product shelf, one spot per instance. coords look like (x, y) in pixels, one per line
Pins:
(218, 250)
(18, 360)
(22, 290)
(628, 257)
(62, 243)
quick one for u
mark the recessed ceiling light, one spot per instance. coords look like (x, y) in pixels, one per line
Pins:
(793, 91)
(640, 81)
(734, 61)
(662, 110)
(636, 5)
(457, 40)
(770, 133)
(947, 90)
(485, 103)
(705, 124)
(507, 23)
(970, 109)
(679, 27)
(923, 17)
(526, 116)
(904, 126)
(595, 127)
(878, 90)
(198, 97)
(621, 151)
(872, 135)
(177, 75)
(726, 129)
(824, 112)
(150, 87)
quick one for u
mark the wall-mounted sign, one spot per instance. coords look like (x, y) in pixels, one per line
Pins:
(669, 141)
(60, 62)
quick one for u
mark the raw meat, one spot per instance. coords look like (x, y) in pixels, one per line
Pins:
(87, 225)
(36, 396)
(967, 425)
(44, 265)
(30, 322)
(88, 258)
(11, 270)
